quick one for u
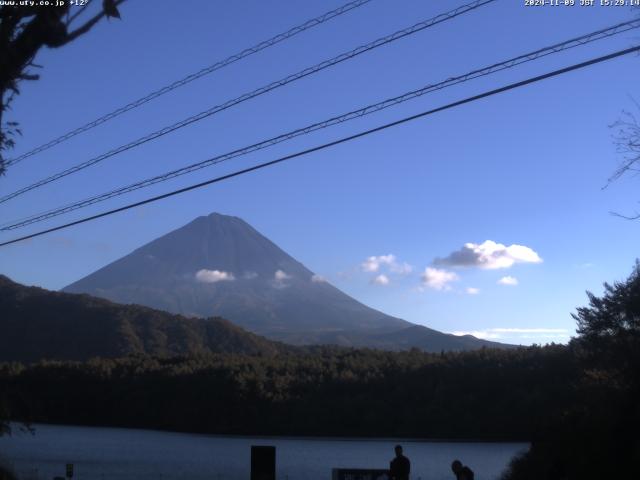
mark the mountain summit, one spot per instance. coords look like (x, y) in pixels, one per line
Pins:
(219, 265)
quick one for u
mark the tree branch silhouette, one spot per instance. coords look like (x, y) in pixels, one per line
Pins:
(24, 31)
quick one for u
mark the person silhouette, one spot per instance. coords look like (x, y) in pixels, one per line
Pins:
(400, 466)
(462, 472)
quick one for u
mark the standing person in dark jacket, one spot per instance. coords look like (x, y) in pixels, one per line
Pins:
(400, 466)
(461, 472)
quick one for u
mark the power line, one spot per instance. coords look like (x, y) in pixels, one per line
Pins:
(525, 58)
(260, 91)
(324, 146)
(194, 76)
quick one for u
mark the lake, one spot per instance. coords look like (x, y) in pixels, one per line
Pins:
(123, 454)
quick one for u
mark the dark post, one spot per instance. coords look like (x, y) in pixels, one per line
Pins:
(263, 462)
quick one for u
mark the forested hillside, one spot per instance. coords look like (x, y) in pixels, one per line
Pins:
(40, 324)
(578, 404)
(488, 394)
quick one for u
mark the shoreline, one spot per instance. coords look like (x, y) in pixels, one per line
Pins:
(351, 438)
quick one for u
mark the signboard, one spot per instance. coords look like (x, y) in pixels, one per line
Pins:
(359, 474)
(69, 470)
(263, 462)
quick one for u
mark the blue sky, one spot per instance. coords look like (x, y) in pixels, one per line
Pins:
(525, 168)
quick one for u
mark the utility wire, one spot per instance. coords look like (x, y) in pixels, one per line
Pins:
(324, 146)
(194, 76)
(255, 93)
(525, 58)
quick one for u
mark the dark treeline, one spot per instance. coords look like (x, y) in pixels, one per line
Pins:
(36, 323)
(596, 435)
(577, 404)
(486, 394)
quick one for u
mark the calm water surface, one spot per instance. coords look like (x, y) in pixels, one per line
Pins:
(123, 454)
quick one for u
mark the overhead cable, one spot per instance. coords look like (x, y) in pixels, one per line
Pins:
(193, 76)
(255, 93)
(324, 146)
(369, 109)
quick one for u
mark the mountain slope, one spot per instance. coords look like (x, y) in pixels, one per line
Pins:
(219, 265)
(163, 275)
(37, 324)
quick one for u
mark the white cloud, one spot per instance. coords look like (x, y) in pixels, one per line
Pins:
(401, 268)
(472, 290)
(380, 280)
(280, 279)
(437, 279)
(489, 255)
(318, 278)
(374, 263)
(517, 333)
(281, 276)
(213, 276)
(508, 280)
(483, 334)
(530, 330)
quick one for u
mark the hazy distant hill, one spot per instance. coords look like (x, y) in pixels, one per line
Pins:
(37, 324)
(219, 265)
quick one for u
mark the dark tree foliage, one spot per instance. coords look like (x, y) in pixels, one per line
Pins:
(6, 473)
(610, 334)
(486, 394)
(24, 30)
(615, 315)
(597, 436)
(37, 323)
(577, 404)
